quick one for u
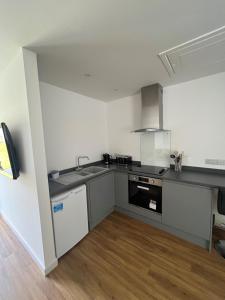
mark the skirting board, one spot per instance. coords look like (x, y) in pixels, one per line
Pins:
(44, 270)
(50, 267)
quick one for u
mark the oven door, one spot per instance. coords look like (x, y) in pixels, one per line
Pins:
(145, 196)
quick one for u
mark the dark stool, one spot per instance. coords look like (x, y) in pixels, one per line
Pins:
(220, 245)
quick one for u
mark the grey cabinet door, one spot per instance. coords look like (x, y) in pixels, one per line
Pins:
(101, 198)
(188, 208)
(121, 189)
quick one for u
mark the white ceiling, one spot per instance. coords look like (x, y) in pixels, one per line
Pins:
(115, 41)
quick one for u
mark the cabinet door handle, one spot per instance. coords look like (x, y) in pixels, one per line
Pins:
(142, 188)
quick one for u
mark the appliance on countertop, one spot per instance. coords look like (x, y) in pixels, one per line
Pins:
(107, 158)
(123, 160)
(152, 109)
(145, 192)
(70, 219)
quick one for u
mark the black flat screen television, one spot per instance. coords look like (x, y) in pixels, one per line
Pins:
(9, 165)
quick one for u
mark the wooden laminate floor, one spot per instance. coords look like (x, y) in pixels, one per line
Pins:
(121, 259)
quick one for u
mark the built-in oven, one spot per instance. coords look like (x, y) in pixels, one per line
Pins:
(145, 192)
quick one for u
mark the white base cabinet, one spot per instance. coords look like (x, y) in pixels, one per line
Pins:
(70, 219)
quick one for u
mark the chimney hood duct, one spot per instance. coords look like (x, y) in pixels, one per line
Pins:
(152, 109)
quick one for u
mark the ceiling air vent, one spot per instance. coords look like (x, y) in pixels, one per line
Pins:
(200, 55)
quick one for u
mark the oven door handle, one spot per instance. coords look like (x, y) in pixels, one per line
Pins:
(142, 187)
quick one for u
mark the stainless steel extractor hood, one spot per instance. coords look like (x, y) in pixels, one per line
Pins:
(152, 109)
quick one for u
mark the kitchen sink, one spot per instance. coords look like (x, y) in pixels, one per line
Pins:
(94, 169)
(82, 173)
(69, 178)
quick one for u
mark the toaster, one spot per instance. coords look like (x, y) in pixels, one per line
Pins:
(123, 160)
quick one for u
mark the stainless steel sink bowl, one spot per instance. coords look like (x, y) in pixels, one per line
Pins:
(94, 169)
(82, 173)
(69, 178)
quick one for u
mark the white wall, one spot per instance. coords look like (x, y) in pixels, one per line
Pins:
(39, 156)
(20, 110)
(194, 111)
(123, 116)
(73, 125)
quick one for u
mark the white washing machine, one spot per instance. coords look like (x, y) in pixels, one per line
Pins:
(70, 219)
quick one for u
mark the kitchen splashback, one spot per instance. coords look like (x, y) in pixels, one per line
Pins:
(156, 148)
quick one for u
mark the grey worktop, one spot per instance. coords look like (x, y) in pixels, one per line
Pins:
(204, 178)
(56, 188)
(199, 176)
(192, 175)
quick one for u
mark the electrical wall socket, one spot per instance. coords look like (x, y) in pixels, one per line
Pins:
(217, 162)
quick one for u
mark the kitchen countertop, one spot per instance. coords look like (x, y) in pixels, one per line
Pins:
(199, 176)
(204, 178)
(56, 188)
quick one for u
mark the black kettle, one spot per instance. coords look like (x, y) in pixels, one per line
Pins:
(107, 158)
